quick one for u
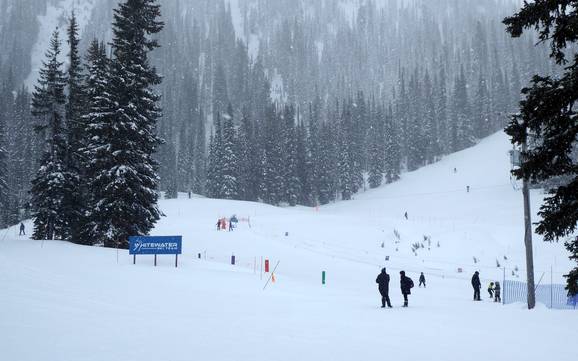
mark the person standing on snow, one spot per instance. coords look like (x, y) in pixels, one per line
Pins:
(22, 229)
(477, 285)
(497, 296)
(491, 290)
(422, 280)
(383, 282)
(406, 284)
(405, 215)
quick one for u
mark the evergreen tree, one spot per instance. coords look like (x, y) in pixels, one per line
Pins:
(482, 126)
(229, 158)
(392, 149)
(376, 151)
(463, 129)
(98, 121)
(293, 183)
(52, 185)
(548, 114)
(3, 175)
(305, 166)
(76, 132)
(126, 176)
(214, 184)
(346, 160)
(199, 158)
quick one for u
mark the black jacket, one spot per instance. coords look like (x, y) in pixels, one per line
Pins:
(476, 281)
(383, 281)
(406, 284)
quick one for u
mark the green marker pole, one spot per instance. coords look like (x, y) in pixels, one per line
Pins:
(323, 277)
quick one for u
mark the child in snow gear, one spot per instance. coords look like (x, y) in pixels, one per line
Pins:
(22, 229)
(422, 280)
(497, 296)
(406, 284)
(476, 284)
(491, 290)
(383, 282)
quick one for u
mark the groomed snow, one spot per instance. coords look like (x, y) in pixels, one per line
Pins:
(65, 302)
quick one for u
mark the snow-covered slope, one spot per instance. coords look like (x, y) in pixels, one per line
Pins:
(66, 302)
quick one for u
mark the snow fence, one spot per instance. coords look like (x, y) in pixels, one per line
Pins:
(552, 296)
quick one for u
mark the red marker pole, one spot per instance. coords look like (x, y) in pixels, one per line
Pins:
(266, 266)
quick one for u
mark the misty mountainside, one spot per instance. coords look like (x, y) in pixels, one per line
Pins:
(290, 102)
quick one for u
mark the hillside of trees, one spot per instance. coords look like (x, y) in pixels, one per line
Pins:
(290, 102)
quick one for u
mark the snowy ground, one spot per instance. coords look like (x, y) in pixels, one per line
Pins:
(65, 302)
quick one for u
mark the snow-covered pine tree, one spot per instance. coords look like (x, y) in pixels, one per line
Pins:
(416, 143)
(246, 164)
(358, 137)
(345, 162)
(3, 175)
(6, 112)
(54, 183)
(214, 184)
(376, 147)
(76, 133)
(98, 121)
(548, 114)
(272, 185)
(392, 148)
(304, 166)
(314, 149)
(292, 180)
(24, 147)
(127, 174)
(200, 156)
(430, 125)
(441, 111)
(229, 158)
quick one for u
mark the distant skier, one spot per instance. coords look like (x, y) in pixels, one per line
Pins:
(406, 284)
(497, 295)
(422, 280)
(383, 281)
(468, 189)
(230, 225)
(218, 224)
(405, 215)
(477, 285)
(455, 170)
(22, 229)
(491, 290)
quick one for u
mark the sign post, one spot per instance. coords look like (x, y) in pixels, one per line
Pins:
(155, 245)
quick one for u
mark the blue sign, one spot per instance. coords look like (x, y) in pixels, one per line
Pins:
(155, 245)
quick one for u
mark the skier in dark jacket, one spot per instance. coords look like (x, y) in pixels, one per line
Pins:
(383, 282)
(22, 229)
(422, 280)
(406, 284)
(477, 285)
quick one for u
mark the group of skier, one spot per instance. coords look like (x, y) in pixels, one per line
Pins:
(223, 222)
(494, 289)
(406, 284)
